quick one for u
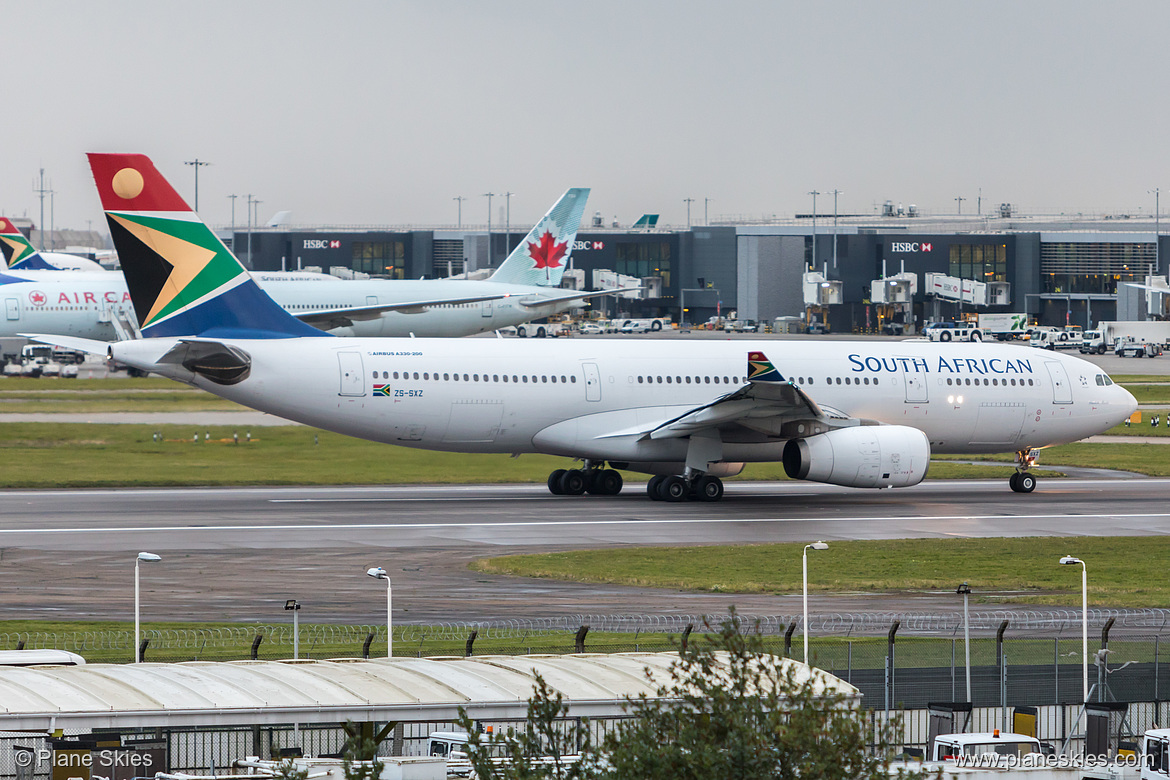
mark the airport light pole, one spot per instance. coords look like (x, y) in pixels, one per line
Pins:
(965, 591)
(1068, 560)
(960, 200)
(807, 547)
(149, 558)
(379, 573)
(198, 164)
(460, 198)
(835, 193)
(232, 198)
(293, 606)
(1157, 229)
(706, 202)
(688, 201)
(508, 223)
(42, 192)
(813, 264)
(489, 195)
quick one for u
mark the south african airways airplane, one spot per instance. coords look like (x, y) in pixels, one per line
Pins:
(96, 304)
(858, 414)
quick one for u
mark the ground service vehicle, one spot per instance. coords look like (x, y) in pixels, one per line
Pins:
(1154, 331)
(953, 331)
(954, 747)
(1092, 343)
(1132, 348)
(1004, 326)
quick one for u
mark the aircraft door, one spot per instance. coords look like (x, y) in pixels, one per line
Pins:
(592, 381)
(1061, 389)
(916, 391)
(486, 309)
(353, 375)
(12, 307)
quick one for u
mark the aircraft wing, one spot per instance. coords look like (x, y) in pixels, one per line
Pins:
(90, 346)
(769, 405)
(533, 303)
(335, 318)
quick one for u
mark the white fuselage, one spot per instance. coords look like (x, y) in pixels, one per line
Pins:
(81, 303)
(597, 398)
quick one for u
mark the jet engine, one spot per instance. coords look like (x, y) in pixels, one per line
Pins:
(868, 456)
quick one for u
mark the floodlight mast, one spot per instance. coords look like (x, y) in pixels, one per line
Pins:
(804, 590)
(378, 572)
(149, 558)
(1069, 560)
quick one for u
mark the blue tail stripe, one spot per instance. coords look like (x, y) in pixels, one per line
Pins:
(245, 311)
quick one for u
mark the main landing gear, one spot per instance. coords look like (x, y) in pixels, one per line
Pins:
(1024, 481)
(676, 488)
(594, 479)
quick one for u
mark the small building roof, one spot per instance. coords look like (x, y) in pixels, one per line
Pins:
(206, 693)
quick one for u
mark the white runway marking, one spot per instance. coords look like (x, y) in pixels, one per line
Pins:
(565, 523)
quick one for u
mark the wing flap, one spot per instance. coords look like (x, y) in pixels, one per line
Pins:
(338, 317)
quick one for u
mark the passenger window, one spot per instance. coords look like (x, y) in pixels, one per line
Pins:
(668, 380)
(416, 375)
(385, 374)
(446, 377)
(465, 379)
(495, 377)
(573, 379)
(838, 380)
(639, 380)
(525, 380)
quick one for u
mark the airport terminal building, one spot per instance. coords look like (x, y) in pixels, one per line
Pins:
(1059, 270)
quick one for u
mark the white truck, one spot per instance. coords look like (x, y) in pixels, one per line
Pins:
(953, 331)
(1057, 338)
(1003, 327)
(984, 749)
(648, 325)
(1153, 331)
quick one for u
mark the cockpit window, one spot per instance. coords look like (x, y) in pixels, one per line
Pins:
(1103, 380)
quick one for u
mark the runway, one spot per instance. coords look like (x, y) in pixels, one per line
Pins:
(237, 553)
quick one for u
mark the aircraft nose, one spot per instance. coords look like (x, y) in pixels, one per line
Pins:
(1126, 404)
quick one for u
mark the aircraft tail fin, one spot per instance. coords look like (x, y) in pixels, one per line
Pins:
(182, 280)
(647, 221)
(19, 254)
(540, 259)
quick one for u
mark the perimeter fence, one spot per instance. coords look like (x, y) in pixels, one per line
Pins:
(896, 660)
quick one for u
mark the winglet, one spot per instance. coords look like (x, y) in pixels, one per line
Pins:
(760, 369)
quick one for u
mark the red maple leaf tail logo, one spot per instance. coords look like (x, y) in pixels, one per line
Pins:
(547, 253)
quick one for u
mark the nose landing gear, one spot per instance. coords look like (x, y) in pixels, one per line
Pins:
(1023, 481)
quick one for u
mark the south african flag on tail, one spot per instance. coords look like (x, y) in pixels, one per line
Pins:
(760, 369)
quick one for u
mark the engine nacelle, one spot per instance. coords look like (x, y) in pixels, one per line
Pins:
(868, 456)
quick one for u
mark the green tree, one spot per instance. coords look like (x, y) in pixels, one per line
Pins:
(359, 759)
(550, 745)
(288, 770)
(729, 709)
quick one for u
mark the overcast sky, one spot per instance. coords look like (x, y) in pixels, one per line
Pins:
(383, 112)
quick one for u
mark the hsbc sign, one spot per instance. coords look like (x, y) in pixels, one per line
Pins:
(910, 246)
(581, 246)
(321, 243)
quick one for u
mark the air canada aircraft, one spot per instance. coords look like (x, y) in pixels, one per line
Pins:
(858, 414)
(522, 289)
(19, 254)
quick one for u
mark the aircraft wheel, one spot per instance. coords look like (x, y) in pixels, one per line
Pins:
(607, 483)
(1024, 483)
(673, 488)
(1014, 482)
(709, 489)
(572, 482)
(554, 482)
(652, 487)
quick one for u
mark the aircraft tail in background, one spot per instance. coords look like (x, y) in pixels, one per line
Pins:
(540, 259)
(19, 254)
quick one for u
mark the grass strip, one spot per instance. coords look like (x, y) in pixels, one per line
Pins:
(1123, 571)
